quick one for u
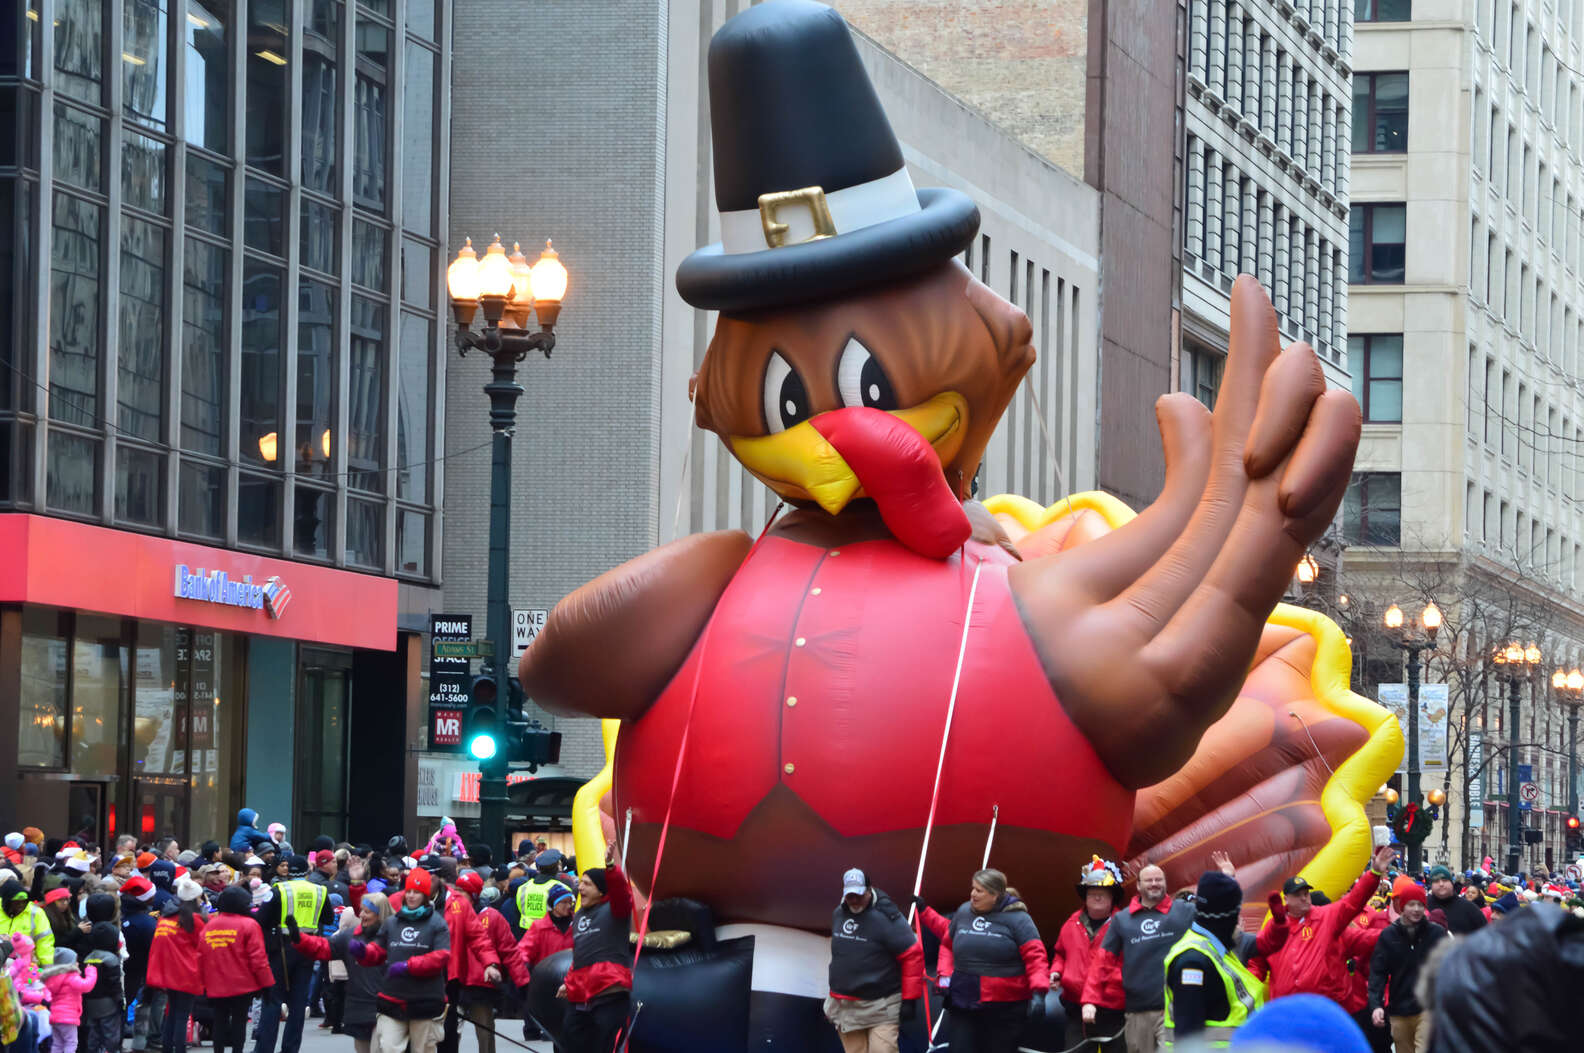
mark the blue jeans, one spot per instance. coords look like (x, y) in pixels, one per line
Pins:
(290, 990)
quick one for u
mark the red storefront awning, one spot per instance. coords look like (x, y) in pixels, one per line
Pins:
(61, 563)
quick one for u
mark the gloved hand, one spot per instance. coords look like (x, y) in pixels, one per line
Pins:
(909, 1010)
(920, 902)
(396, 969)
(355, 949)
(1278, 908)
(292, 931)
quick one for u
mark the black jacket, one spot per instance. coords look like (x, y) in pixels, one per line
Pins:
(1462, 916)
(1512, 986)
(107, 997)
(1399, 954)
(866, 949)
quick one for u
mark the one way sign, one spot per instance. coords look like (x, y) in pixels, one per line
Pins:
(525, 626)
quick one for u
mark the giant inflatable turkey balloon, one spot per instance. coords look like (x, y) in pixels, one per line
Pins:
(889, 661)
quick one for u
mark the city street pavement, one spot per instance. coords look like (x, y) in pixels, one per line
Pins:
(322, 1041)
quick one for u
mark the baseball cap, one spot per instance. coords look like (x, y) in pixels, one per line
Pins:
(1294, 885)
(854, 883)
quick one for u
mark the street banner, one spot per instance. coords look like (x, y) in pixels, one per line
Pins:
(1433, 713)
(448, 681)
(1476, 780)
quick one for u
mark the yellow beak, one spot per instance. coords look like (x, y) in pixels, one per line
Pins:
(800, 464)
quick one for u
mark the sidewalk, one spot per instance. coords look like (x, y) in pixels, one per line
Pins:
(316, 1040)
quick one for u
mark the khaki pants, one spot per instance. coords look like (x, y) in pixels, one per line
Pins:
(1410, 1034)
(865, 1026)
(1144, 1032)
(406, 1036)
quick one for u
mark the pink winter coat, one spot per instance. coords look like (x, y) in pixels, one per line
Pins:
(66, 987)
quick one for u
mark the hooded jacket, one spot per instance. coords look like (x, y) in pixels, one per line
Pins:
(30, 922)
(231, 949)
(1462, 916)
(873, 952)
(108, 995)
(67, 986)
(137, 928)
(174, 956)
(993, 957)
(247, 834)
(1400, 953)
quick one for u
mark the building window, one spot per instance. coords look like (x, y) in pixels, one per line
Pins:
(1382, 10)
(1372, 509)
(1377, 363)
(1202, 373)
(1377, 236)
(1380, 113)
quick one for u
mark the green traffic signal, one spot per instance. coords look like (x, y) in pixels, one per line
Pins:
(482, 746)
(482, 733)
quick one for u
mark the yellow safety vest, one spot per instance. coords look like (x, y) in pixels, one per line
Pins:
(302, 900)
(533, 900)
(1244, 991)
(34, 924)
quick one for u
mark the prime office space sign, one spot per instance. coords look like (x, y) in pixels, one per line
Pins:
(218, 587)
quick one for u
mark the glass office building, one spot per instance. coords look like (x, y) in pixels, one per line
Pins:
(219, 352)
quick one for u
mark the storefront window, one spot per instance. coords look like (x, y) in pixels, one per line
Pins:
(96, 698)
(42, 727)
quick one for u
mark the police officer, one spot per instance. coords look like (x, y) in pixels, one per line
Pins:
(533, 896)
(1209, 991)
(296, 904)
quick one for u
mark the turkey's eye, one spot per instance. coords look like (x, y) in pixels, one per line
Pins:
(786, 400)
(860, 379)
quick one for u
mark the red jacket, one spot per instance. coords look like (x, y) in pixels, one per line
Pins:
(1071, 952)
(471, 949)
(500, 937)
(542, 940)
(173, 956)
(1358, 944)
(231, 951)
(1312, 959)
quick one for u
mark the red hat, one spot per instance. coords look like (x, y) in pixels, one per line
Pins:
(1406, 889)
(138, 887)
(470, 883)
(181, 872)
(146, 860)
(56, 894)
(419, 879)
(323, 856)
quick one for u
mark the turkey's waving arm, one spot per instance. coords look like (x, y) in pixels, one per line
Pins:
(1147, 632)
(610, 647)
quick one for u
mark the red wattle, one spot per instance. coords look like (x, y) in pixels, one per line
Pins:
(903, 474)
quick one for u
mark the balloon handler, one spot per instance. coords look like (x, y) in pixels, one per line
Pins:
(818, 672)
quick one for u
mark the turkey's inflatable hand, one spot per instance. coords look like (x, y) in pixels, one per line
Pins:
(1147, 632)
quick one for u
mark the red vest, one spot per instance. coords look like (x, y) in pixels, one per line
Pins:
(829, 671)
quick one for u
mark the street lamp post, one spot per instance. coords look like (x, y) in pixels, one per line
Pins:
(1403, 637)
(508, 291)
(1570, 689)
(1515, 664)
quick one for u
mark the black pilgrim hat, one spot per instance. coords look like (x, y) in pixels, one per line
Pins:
(814, 197)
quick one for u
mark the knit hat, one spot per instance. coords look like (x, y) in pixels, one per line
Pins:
(187, 858)
(1437, 873)
(56, 894)
(1301, 1023)
(104, 936)
(1403, 894)
(146, 860)
(1218, 896)
(139, 888)
(14, 840)
(1506, 904)
(490, 896)
(322, 842)
(33, 835)
(296, 865)
(274, 828)
(234, 899)
(596, 876)
(188, 890)
(421, 881)
(470, 883)
(558, 892)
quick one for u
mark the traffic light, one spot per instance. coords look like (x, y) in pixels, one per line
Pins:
(482, 733)
(1575, 837)
(494, 733)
